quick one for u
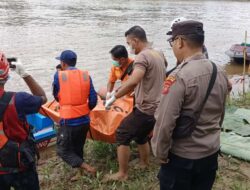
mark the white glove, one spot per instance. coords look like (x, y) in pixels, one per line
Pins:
(109, 102)
(20, 70)
(108, 95)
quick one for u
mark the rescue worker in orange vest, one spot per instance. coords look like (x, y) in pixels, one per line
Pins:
(121, 69)
(75, 92)
(17, 146)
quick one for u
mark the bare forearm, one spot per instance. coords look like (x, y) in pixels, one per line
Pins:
(131, 83)
(125, 89)
(110, 86)
(35, 88)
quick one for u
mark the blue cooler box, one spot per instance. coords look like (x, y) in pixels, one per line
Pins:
(44, 134)
(39, 121)
(43, 127)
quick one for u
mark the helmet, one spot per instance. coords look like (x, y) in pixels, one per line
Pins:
(4, 67)
(177, 20)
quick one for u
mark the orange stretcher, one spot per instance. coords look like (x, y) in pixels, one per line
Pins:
(103, 123)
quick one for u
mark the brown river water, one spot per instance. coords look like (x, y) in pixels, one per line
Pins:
(36, 31)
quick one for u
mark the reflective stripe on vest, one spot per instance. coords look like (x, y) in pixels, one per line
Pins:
(3, 138)
(73, 94)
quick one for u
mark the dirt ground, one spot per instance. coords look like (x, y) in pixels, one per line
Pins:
(233, 174)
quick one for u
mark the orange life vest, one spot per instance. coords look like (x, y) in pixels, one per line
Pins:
(3, 138)
(73, 94)
(10, 126)
(13, 133)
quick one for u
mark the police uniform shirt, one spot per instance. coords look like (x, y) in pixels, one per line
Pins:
(185, 89)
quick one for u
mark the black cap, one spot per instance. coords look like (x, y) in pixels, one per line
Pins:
(187, 27)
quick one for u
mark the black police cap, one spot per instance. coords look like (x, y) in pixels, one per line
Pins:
(187, 27)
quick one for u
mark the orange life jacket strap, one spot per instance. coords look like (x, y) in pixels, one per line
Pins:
(3, 138)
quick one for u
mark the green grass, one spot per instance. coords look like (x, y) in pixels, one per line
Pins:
(55, 174)
(240, 101)
(101, 150)
(239, 186)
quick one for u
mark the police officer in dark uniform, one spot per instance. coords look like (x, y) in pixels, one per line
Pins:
(186, 135)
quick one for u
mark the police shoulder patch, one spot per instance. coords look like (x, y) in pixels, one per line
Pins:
(169, 81)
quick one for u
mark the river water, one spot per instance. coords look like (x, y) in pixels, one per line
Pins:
(36, 31)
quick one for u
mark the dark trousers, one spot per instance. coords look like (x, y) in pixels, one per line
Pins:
(27, 180)
(136, 126)
(186, 174)
(70, 143)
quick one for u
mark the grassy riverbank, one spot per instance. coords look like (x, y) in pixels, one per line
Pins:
(233, 174)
